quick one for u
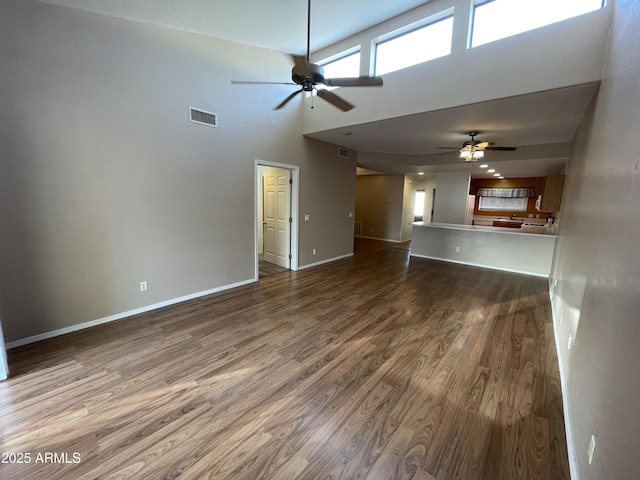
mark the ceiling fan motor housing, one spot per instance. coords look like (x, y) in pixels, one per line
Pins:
(310, 72)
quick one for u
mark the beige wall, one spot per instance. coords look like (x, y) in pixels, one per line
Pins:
(452, 194)
(379, 205)
(329, 185)
(104, 182)
(596, 301)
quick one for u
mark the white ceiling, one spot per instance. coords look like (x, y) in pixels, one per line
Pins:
(541, 125)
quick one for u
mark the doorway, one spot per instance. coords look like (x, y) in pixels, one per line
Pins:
(276, 207)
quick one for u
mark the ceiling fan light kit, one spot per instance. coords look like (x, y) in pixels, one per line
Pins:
(471, 154)
(473, 150)
(308, 75)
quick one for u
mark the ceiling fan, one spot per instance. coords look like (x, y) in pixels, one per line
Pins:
(473, 150)
(308, 75)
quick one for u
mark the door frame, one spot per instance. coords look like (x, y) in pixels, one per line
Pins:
(295, 208)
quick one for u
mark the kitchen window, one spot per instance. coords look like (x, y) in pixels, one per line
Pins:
(500, 204)
(504, 199)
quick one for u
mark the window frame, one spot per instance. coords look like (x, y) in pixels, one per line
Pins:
(446, 14)
(481, 3)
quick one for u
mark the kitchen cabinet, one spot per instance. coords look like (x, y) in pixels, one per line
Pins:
(551, 196)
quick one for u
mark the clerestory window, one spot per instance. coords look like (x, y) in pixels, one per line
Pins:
(498, 19)
(414, 47)
(344, 67)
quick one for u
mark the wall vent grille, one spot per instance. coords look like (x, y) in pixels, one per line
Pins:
(343, 152)
(203, 117)
(357, 228)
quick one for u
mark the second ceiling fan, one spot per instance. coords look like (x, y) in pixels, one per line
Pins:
(473, 150)
(308, 75)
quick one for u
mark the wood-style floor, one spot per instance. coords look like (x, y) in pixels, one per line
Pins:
(267, 268)
(379, 366)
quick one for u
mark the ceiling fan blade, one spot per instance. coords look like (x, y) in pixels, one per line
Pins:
(249, 82)
(335, 100)
(354, 82)
(504, 149)
(482, 145)
(287, 100)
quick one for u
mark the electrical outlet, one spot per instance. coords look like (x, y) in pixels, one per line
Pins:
(143, 286)
(314, 251)
(458, 249)
(592, 448)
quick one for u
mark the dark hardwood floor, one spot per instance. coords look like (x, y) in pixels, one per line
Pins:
(379, 366)
(267, 268)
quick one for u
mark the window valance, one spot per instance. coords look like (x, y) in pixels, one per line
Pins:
(506, 192)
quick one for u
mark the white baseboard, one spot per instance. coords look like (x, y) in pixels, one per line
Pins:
(381, 239)
(120, 316)
(510, 270)
(321, 262)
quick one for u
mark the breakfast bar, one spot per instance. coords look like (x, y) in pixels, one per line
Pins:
(524, 250)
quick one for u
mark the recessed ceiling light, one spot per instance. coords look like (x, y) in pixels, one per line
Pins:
(420, 173)
(496, 174)
(347, 133)
(484, 165)
(491, 170)
(501, 177)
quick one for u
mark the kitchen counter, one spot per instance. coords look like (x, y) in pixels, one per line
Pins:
(524, 230)
(508, 249)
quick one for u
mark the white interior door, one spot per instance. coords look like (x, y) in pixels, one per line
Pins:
(277, 214)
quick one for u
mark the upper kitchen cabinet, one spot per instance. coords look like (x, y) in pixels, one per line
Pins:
(551, 196)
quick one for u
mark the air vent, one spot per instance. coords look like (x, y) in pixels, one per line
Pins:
(343, 152)
(203, 117)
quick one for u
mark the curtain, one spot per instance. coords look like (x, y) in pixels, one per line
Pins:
(503, 204)
(524, 192)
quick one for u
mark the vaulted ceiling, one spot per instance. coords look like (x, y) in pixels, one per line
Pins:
(545, 118)
(276, 24)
